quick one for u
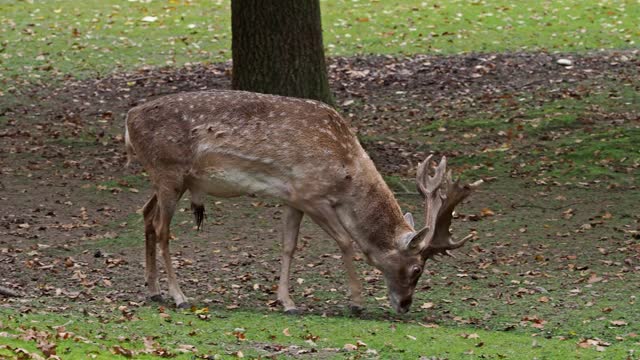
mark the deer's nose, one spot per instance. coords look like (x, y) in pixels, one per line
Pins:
(405, 304)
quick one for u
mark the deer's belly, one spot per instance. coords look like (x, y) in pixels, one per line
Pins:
(236, 182)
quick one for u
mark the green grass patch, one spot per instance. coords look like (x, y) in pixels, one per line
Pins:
(79, 142)
(94, 37)
(399, 184)
(145, 332)
(462, 124)
(576, 138)
(611, 154)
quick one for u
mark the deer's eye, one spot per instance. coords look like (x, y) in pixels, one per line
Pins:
(416, 270)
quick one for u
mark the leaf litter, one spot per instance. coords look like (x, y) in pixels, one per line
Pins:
(70, 201)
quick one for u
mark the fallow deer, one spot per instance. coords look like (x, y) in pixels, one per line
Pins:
(302, 152)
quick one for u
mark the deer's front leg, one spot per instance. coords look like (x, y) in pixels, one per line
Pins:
(292, 219)
(326, 217)
(355, 286)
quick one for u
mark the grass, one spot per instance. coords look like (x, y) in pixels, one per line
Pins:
(147, 332)
(600, 155)
(42, 39)
(487, 303)
(567, 140)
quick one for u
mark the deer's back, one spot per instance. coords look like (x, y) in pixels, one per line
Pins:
(214, 132)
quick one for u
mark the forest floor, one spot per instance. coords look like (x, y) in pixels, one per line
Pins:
(554, 267)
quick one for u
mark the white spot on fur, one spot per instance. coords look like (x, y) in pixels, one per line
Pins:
(204, 148)
(328, 132)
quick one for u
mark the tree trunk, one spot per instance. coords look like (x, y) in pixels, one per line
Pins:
(277, 48)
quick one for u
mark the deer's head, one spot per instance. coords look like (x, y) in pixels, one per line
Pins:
(402, 269)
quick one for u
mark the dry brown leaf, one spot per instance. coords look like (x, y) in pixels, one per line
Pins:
(427, 305)
(618, 323)
(119, 350)
(486, 212)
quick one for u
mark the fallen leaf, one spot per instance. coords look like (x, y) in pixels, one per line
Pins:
(119, 350)
(486, 212)
(568, 214)
(564, 62)
(427, 305)
(618, 323)
(349, 347)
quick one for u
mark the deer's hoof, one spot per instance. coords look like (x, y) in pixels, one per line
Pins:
(183, 305)
(156, 298)
(293, 311)
(356, 309)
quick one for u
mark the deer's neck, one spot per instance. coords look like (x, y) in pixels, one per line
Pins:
(373, 217)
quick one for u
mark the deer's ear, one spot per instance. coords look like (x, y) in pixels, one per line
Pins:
(413, 241)
(409, 218)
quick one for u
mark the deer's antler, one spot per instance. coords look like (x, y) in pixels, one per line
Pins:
(441, 195)
(428, 184)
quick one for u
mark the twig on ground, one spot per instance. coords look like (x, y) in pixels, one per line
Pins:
(514, 206)
(140, 78)
(8, 292)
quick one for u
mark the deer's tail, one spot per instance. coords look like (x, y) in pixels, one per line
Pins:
(131, 153)
(198, 214)
(197, 207)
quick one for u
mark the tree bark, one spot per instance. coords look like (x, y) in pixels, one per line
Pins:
(277, 48)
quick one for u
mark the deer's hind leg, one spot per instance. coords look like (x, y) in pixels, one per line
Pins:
(292, 219)
(168, 197)
(149, 212)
